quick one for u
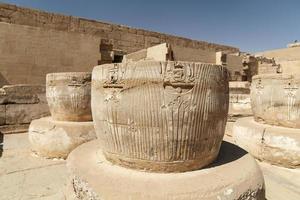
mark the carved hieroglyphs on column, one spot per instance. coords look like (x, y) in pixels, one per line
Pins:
(69, 96)
(273, 134)
(160, 116)
(70, 124)
(276, 99)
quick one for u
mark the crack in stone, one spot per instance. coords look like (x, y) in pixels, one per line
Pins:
(42, 132)
(263, 135)
(33, 168)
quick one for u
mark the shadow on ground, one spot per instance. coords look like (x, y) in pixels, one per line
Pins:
(228, 153)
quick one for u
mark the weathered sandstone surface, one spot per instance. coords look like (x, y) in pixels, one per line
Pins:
(56, 139)
(160, 116)
(273, 144)
(275, 99)
(69, 96)
(34, 43)
(234, 175)
(239, 100)
(19, 105)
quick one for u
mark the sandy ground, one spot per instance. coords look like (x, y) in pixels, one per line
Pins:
(24, 176)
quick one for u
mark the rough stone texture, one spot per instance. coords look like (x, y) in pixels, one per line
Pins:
(193, 55)
(253, 65)
(290, 66)
(234, 63)
(121, 35)
(29, 53)
(241, 66)
(288, 58)
(69, 96)
(281, 183)
(34, 43)
(234, 176)
(24, 113)
(274, 144)
(56, 139)
(161, 52)
(267, 66)
(27, 177)
(168, 52)
(2, 114)
(21, 94)
(160, 116)
(14, 128)
(239, 100)
(19, 104)
(275, 99)
(250, 66)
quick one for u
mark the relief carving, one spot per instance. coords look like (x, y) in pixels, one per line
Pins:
(277, 101)
(160, 116)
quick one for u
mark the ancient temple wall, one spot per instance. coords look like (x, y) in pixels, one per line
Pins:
(165, 51)
(288, 58)
(190, 54)
(19, 104)
(33, 43)
(28, 53)
(234, 64)
(285, 54)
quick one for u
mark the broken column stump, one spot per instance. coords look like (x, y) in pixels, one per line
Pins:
(235, 175)
(160, 127)
(69, 96)
(273, 144)
(69, 99)
(160, 116)
(56, 139)
(273, 134)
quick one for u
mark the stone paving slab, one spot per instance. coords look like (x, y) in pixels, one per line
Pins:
(24, 176)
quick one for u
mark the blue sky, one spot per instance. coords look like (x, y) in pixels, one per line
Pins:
(251, 25)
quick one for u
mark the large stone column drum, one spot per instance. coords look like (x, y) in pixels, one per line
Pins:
(275, 99)
(69, 96)
(273, 134)
(160, 116)
(234, 176)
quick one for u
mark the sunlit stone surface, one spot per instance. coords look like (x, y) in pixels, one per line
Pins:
(160, 116)
(69, 96)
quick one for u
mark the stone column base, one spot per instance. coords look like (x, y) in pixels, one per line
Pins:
(56, 139)
(235, 175)
(273, 144)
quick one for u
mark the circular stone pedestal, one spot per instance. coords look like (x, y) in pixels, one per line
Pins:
(234, 176)
(56, 139)
(274, 144)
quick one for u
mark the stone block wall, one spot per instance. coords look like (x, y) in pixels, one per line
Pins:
(123, 37)
(234, 63)
(166, 51)
(19, 105)
(235, 67)
(288, 58)
(28, 53)
(239, 100)
(267, 66)
(34, 43)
